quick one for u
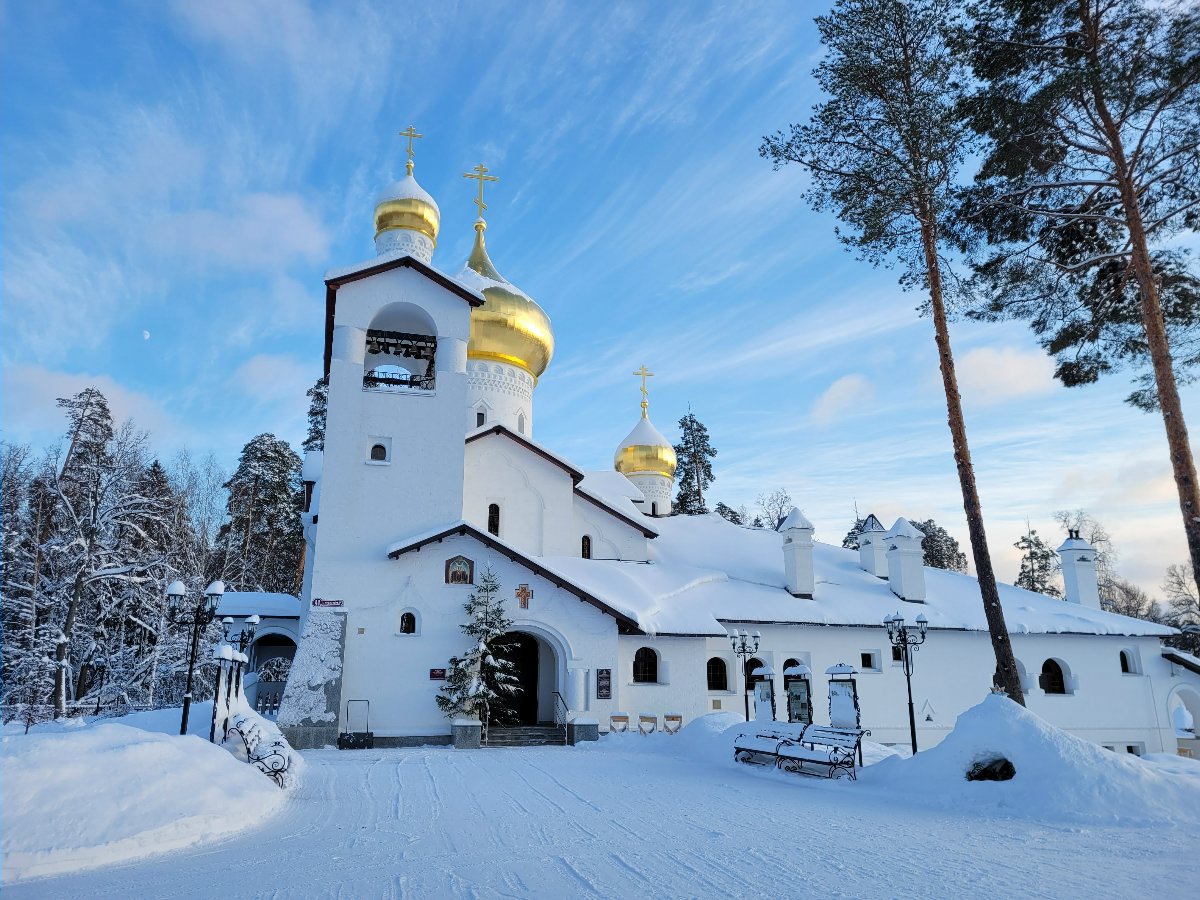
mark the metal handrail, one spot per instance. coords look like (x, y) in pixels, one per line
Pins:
(561, 711)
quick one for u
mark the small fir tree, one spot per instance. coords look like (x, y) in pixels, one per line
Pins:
(940, 549)
(1039, 563)
(694, 454)
(850, 541)
(483, 680)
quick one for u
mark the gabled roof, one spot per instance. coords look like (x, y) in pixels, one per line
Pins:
(338, 277)
(1180, 658)
(537, 568)
(576, 475)
(489, 430)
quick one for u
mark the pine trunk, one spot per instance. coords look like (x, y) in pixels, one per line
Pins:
(1007, 675)
(1183, 465)
(63, 648)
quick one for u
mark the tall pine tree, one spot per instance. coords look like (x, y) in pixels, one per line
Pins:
(884, 149)
(1092, 111)
(483, 680)
(318, 407)
(694, 454)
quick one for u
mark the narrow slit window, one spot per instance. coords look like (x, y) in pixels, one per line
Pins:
(494, 519)
(586, 549)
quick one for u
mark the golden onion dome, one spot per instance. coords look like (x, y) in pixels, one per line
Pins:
(404, 204)
(645, 452)
(510, 327)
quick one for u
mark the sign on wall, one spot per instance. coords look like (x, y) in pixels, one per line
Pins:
(437, 674)
(604, 684)
(321, 601)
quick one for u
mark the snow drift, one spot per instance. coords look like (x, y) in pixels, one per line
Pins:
(1059, 777)
(83, 797)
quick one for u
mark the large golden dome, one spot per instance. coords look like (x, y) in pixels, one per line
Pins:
(510, 327)
(645, 452)
(404, 204)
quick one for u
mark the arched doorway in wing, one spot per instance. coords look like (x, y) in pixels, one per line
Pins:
(539, 655)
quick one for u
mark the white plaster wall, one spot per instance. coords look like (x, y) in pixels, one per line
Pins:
(533, 494)
(953, 672)
(367, 506)
(657, 491)
(391, 670)
(611, 538)
(503, 392)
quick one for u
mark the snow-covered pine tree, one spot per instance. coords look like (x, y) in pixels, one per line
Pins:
(318, 404)
(259, 546)
(940, 549)
(1039, 563)
(728, 512)
(483, 677)
(693, 454)
(850, 541)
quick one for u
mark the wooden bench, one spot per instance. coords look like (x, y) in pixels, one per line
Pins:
(618, 722)
(672, 722)
(647, 724)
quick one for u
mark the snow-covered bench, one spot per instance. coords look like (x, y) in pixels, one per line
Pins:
(762, 746)
(271, 756)
(802, 749)
(831, 751)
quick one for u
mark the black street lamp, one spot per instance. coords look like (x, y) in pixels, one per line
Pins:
(745, 646)
(197, 618)
(909, 642)
(243, 638)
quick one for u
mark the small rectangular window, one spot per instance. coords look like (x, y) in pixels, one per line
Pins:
(897, 654)
(480, 419)
(868, 661)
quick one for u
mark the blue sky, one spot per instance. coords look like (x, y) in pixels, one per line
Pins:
(189, 170)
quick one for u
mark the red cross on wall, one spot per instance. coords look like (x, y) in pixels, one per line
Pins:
(523, 595)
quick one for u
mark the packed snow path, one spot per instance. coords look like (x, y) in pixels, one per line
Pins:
(625, 820)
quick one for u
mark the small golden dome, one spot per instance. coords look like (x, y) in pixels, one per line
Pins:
(404, 204)
(510, 327)
(645, 452)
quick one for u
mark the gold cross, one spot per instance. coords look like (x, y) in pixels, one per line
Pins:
(644, 373)
(410, 133)
(481, 175)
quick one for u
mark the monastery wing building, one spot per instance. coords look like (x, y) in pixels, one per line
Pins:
(432, 473)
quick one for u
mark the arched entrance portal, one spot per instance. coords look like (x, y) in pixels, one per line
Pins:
(537, 667)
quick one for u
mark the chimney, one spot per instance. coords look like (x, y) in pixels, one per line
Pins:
(1079, 570)
(310, 474)
(872, 548)
(905, 561)
(798, 554)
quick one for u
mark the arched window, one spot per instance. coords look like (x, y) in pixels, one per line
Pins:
(521, 423)
(494, 519)
(379, 453)
(460, 570)
(718, 675)
(789, 663)
(1052, 679)
(645, 666)
(1127, 666)
(752, 664)
(408, 624)
(586, 549)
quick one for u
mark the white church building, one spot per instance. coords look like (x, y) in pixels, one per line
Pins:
(431, 473)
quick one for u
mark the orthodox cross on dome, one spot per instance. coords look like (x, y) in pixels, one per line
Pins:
(644, 373)
(523, 594)
(410, 132)
(480, 174)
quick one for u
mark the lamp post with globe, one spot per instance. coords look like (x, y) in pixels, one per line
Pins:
(197, 618)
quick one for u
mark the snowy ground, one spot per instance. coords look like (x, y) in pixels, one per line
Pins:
(632, 817)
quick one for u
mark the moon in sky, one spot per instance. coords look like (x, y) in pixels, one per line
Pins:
(145, 335)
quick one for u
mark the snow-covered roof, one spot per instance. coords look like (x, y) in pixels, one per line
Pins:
(250, 603)
(400, 259)
(904, 528)
(611, 485)
(705, 571)
(405, 188)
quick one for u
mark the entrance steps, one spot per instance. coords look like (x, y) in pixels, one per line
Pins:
(526, 736)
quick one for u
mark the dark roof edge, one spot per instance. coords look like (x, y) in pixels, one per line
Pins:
(1172, 656)
(576, 475)
(597, 502)
(486, 539)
